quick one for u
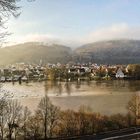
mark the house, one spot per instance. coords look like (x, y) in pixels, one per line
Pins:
(16, 77)
(81, 71)
(2, 79)
(9, 79)
(93, 72)
(119, 73)
(72, 70)
(24, 78)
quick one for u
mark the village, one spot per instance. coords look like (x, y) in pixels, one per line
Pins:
(27, 72)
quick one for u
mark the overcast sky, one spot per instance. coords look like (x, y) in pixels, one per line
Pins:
(75, 22)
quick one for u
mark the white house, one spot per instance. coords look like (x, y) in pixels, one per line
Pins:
(119, 73)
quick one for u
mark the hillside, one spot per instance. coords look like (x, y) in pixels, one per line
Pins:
(105, 52)
(109, 52)
(33, 52)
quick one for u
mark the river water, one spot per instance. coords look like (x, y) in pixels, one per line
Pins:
(105, 97)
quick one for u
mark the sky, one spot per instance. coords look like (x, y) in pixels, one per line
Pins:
(75, 22)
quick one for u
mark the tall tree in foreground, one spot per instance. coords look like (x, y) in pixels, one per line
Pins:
(25, 121)
(49, 114)
(134, 107)
(3, 116)
(14, 113)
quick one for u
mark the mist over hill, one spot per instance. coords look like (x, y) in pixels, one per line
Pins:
(104, 52)
(110, 52)
(34, 52)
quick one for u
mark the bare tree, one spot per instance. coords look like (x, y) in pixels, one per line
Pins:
(25, 121)
(53, 118)
(8, 8)
(14, 112)
(3, 116)
(49, 114)
(43, 107)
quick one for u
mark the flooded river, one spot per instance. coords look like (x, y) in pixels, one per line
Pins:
(105, 97)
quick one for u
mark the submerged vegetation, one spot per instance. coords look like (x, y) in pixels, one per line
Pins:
(49, 121)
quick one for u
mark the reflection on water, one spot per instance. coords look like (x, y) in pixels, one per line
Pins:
(78, 84)
(68, 87)
(106, 97)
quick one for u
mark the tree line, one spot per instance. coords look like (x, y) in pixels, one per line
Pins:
(49, 121)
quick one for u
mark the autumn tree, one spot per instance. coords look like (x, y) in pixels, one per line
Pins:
(84, 123)
(118, 121)
(134, 107)
(34, 127)
(69, 123)
(134, 70)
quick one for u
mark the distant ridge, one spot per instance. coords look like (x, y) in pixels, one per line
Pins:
(109, 52)
(104, 52)
(34, 52)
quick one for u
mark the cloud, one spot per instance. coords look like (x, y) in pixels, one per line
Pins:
(31, 38)
(46, 38)
(116, 31)
(37, 38)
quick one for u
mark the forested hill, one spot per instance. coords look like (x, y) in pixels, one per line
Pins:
(110, 52)
(34, 52)
(105, 52)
